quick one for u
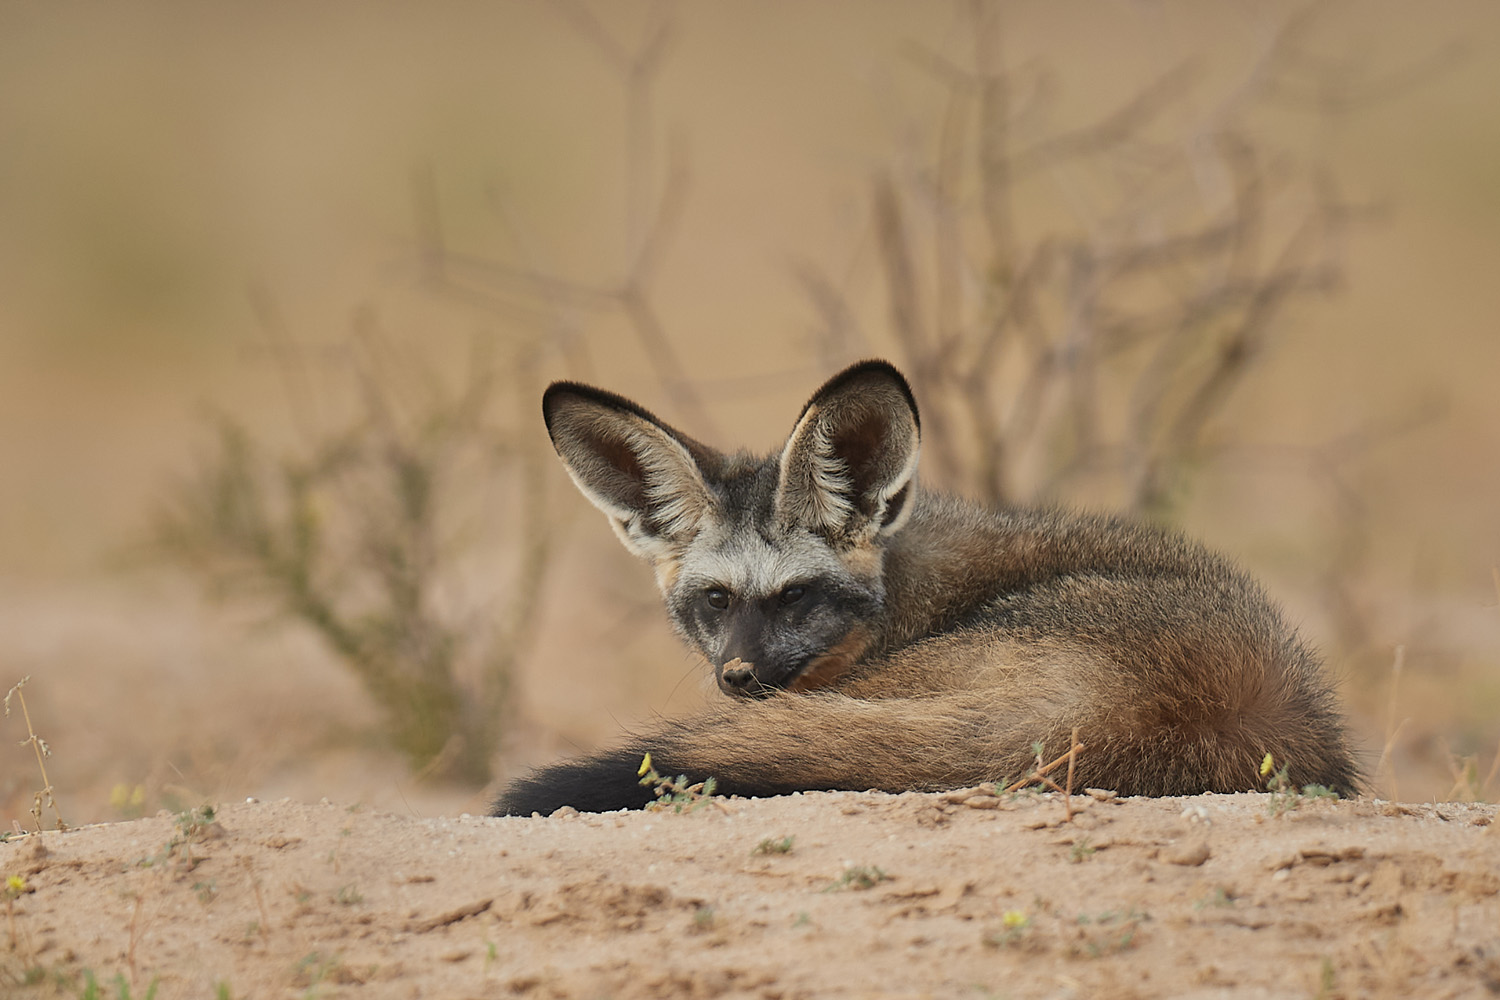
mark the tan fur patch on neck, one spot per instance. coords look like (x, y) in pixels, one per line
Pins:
(828, 669)
(864, 560)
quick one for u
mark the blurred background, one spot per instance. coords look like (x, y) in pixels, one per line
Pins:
(280, 286)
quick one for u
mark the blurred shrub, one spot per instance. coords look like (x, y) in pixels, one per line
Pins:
(362, 534)
(1077, 304)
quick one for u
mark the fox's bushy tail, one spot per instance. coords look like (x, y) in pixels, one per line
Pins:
(829, 741)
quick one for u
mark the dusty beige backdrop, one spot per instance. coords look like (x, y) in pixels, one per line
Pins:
(163, 164)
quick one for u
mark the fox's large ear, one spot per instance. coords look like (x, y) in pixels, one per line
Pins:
(847, 469)
(643, 474)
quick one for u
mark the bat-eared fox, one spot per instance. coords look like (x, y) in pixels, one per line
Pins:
(869, 635)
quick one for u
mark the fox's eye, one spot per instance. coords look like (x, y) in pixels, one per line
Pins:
(792, 595)
(717, 599)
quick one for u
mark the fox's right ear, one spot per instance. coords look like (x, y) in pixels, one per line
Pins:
(643, 474)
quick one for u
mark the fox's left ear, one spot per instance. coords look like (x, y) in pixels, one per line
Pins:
(847, 470)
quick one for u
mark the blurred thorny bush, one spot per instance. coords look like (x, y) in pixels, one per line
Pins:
(364, 533)
(1077, 304)
(1072, 345)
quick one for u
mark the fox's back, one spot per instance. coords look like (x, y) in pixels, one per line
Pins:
(1132, 630)
(957, 564)
(1050, 575)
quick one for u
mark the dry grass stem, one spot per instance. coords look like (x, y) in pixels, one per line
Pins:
(1073, 747)
(264, 926)
(42, 750)
(1039, 774)
(135, 920)
(1386, 766)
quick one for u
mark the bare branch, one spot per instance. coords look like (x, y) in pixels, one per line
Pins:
(302, 402)
(659, 350)
(1303, 80)
(587, 24)
(1110, 131)
(838, 340)
(996, 165)
(894, 245)
(662, 227)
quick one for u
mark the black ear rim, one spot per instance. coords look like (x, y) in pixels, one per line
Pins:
(701, 453)
(861, 369)
(593, 394)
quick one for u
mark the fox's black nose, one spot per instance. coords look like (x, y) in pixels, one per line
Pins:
(738, 676)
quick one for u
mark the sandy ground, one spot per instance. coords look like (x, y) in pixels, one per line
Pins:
(813, 895)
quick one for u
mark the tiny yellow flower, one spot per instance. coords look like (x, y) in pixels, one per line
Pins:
(1267, 765)
(645, 766)
(15, 885)
(125, 798)
(1013, 919)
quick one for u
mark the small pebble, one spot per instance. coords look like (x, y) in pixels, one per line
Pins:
(1189, 854)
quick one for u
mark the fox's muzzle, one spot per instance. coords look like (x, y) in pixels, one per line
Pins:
(743, 680)
(735, 676)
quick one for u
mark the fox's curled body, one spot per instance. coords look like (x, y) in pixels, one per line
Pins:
(873, 636)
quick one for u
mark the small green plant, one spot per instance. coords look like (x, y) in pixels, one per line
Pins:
(193, 822)
(1109, 933)
(1327, 981)
(348, 895)
(1014, 926)
(704, 918)
(206, 891)
(1081, 850)
(312, 969)
(771, 846)
(675, 792)
(33, 975)
(194, 826)
(222, 991)
(1220, 897)
(1286, 797)
(92, 991)
(333, 855)
(858, 877)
